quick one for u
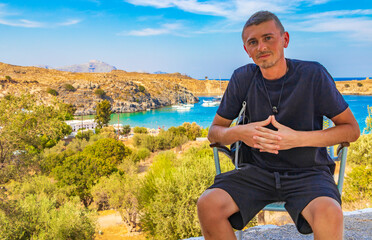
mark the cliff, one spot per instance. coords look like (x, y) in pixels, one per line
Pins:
(127, 91)
(355, 87)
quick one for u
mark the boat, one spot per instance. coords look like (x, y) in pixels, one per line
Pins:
(210, 103)
(183, 108)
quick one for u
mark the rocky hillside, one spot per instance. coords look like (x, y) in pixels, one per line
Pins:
(355, 87)
(127, 91)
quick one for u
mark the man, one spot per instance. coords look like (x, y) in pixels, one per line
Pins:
(286, 101)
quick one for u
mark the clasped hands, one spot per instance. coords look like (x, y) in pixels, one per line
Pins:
(266, 140)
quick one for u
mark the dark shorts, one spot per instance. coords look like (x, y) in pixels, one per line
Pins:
(252, 188)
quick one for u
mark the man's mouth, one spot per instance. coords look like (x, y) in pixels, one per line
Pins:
(263, 55)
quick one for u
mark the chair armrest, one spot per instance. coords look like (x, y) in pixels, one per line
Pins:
(341, 146)
(223, 149)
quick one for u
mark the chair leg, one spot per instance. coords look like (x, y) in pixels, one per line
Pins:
(240, 235)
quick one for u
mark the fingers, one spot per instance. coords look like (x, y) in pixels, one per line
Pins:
(270, 148)
(275, 123)
(264, 123)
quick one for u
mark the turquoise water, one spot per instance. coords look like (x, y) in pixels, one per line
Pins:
(203, 116)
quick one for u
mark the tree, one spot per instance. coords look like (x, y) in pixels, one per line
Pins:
(125, 130)
(26, 129)
(82, 169)
(103, 114)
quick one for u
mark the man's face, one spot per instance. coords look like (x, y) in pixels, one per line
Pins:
(264, 43)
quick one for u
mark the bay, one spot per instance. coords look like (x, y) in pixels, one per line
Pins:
(167, 117)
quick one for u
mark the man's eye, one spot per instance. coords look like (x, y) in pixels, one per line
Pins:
(252, 42)
(268, 38)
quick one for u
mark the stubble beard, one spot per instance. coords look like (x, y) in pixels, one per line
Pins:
(267, 63)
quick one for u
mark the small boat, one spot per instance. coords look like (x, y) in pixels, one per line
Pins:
(183, 108)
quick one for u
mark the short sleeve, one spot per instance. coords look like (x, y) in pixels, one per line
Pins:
(329, 101)
(232, 98)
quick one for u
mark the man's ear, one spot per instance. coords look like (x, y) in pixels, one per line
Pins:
(286, 39)
(245, 49)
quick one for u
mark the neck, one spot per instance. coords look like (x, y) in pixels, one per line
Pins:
(275, 72)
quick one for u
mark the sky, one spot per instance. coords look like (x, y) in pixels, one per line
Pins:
(195, 37)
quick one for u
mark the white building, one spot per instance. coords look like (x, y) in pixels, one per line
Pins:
(89, 124)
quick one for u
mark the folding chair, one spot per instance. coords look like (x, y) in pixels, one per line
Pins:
(279, 206)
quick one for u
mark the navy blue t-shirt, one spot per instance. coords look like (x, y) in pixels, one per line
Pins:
(309, 93)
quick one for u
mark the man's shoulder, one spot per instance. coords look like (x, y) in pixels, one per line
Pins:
(306, 65)
(245, 70)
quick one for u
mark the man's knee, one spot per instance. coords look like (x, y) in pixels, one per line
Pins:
(324, 209)
(329, 210)
(216, 203)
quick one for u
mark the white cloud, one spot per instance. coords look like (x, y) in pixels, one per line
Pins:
(353, 24)
(12, 18)
(170, 28)
(22, 23)
(356, 24)
(69, 22)
(236, 10)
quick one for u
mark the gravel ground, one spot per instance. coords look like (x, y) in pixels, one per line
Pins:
(358, 226)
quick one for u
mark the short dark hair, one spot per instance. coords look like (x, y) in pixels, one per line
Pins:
(263, 16)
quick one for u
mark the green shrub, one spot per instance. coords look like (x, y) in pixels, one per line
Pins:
(8, 78)
(360, 151)
(99, 92)
(140, 130)
(360, 84)
(204, 132)
(141, 88)
(52, 92)
(139, 154)
(69, 87)
(82, 170)
(368, 128)
(347, 85)
(358, 184)
(171, 189)
(143, 153)
(125, 130)
(121, 193)
(84, 134)
(192, 130)
(38, 209)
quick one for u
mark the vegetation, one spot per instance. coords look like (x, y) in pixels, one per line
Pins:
(103, 113)
(32, 128)
(170, 191)
(119, 191)
(360, 84)
(99, 92)
(82, 169)
(347, 85)
(358, 183)
(84, 134)
(38, 209)
(140, 130)
(368, 128)
(52, 91)
(125, 130)
(8, 78)
(141, 89)
(69, 87)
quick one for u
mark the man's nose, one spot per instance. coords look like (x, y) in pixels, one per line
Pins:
(262, 46)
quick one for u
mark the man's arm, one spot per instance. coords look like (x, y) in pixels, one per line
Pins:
(346, 129)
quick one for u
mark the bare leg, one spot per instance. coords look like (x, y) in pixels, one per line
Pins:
(215, 206)
(324, 214)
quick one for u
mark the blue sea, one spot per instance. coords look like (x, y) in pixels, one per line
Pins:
(167, 117)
